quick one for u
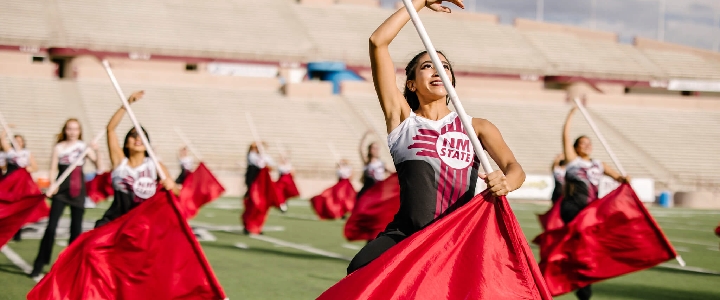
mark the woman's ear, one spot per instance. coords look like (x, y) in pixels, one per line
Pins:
(410, 84)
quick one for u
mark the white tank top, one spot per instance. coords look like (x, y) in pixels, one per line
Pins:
(260, 161)
(141, 180)
(376, 170)
(187, 162)
(21, 159)
(285, 168)
(71, 153)
(344, 172)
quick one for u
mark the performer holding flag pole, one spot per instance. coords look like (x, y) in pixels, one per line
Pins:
(613, 157)
(261, 190)
(136, 169)
(186, 161)
(69, 188)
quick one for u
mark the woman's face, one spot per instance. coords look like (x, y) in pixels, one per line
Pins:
(427, 83)
(72, 131)
(374, 150)
(135, 144)
(20, 142)
(584, 147)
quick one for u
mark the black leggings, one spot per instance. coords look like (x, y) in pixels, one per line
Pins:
(568, 211)
(374, 249)
(48, 239)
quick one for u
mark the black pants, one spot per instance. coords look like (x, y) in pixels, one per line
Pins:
(374, 249)
(568, 211)
(48, 239)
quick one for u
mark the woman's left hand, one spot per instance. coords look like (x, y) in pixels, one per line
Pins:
(624, 179)
(497, 183)
(169, 184)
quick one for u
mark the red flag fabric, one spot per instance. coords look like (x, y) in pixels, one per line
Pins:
(551, 219)
(717, 230)
(200, 187)
(374, 210)
(612, 236)
(335, 201)
(475, 252)
(148, 253)
(20, 202)
(286, 185)
(262, 195)
(100, 187)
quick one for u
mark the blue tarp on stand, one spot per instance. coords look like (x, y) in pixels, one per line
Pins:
(335, 72)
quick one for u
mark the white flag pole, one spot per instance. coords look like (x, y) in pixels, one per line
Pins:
(135, 122)
(10, 135)
(72, 166)
(256, 136)
(600, 136)
(464, 118)
(188, 144)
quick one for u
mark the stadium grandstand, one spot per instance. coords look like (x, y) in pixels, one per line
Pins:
(304, 65)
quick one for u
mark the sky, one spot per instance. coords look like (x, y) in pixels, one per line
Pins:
(688, 22)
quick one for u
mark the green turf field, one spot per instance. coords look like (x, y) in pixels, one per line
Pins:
(291, 261)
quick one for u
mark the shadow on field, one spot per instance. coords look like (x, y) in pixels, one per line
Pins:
(11, 269)
(642, 292)
(303, 256)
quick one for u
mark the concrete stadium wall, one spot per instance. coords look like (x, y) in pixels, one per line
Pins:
(531, 25)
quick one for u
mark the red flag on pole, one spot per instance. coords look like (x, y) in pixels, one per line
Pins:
(476, 252)
(612, 236)
(100, 187)
(21, 202)
(200, 187)
(262, 195)
(148, 253)
(335, 201)
(374, 210)
(286, 186)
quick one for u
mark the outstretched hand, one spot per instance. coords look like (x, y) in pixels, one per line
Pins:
(436, 5)
(135, 96)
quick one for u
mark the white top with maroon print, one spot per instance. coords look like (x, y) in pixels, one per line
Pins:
(140, 181)
(21, 159)
(71, 153)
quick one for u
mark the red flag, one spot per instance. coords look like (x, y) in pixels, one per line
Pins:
(612, 236)
(286, 186)
(200, 187)
(20, 202)
(374, 210)
(717, 230)
(100, 187)
(551, 219)
(475, 252)
(262, 195)
(148, 253)
(336, 201)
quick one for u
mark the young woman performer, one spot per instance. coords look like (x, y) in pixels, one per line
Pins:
(374, 169)
(582, 178)
(558, 170)
(186, 163)
(286, 182)
(134, 175)
(71, 192)
(17, 160)
(436, 164)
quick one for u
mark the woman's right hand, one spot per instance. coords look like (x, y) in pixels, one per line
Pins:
(135, 96)
(437, 6)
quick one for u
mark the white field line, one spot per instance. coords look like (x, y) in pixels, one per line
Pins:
(351, 247)
(305, 248)
(684, 241)
(689, 269)
(16, 259)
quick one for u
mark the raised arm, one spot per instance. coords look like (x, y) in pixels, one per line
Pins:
(568, 148)
(5, 141)
(95, 157)
(511, 175)
(114, 147)
(32, 164)
(363, 155)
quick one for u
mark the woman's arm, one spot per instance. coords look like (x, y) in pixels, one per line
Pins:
(5, 141)
(116, 151)
(511, 175)
(568, 148)
(169, 184)
(32, 164)
(556, 162)
(609, 171)
(95, 156)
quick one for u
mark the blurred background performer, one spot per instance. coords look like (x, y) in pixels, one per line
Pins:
(336, 201)
(286, 182)
(186, 164)
(17, 160)
(558, 171)
(582, 180)
(71, 192)
(134, 176)
(374, 169)
(257, 201)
